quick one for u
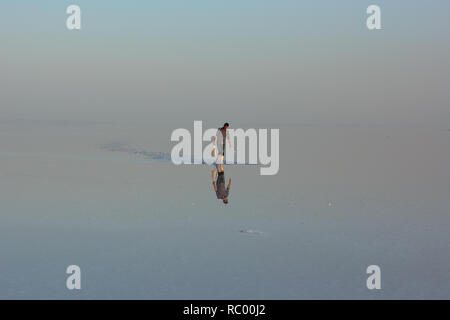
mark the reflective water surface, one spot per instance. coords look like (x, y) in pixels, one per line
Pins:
(344, 198)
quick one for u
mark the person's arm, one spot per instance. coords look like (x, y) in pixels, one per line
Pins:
(215, 186)
(229, 184)
(229, 140)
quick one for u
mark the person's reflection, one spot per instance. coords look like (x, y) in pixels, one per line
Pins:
(219, 184)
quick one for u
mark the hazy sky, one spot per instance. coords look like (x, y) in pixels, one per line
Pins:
(264, 61)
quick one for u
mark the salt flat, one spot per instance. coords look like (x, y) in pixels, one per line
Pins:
(145, 229)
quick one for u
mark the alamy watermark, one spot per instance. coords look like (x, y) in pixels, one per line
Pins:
(257, 148)
(73, 281)
(73, 21)
(374, 280)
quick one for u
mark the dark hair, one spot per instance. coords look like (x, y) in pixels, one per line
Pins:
(226, 124)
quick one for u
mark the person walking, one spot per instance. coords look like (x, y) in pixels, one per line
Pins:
(221, 136)
(222, 192)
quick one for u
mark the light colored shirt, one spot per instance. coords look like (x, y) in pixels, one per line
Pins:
(223, 135)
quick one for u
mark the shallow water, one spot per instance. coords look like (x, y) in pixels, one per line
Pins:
(344, 198)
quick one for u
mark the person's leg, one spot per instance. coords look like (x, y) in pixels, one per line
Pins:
(219, 159)
(220, 153)
(223, 153)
